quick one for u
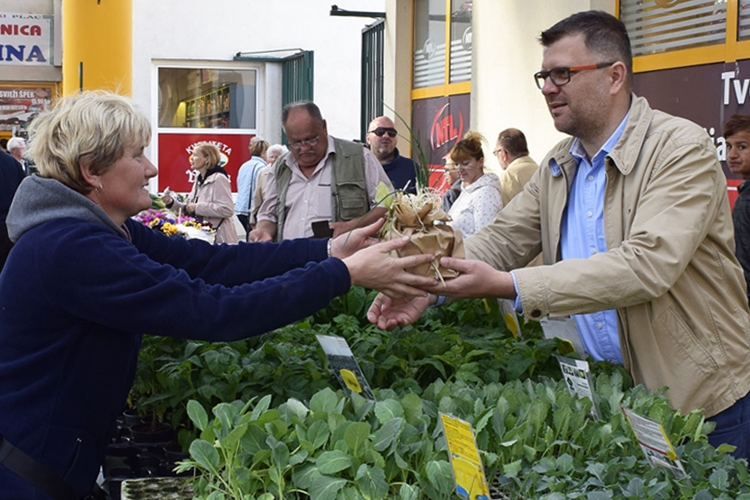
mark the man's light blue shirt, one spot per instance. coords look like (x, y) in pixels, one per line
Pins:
(582, 235)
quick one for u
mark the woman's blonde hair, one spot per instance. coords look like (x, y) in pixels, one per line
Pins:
(211, 151)
(258, 147)
(468, 147)
(91, 128)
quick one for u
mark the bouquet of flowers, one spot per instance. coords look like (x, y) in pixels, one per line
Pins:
(173, 225)
(421, 218)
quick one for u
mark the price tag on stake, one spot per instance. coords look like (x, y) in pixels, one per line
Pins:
(345, 366)
(564, 329)
(654, 443)
(578, 379)
(468, 472)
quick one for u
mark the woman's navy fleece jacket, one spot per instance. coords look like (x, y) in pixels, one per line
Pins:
(78, 292)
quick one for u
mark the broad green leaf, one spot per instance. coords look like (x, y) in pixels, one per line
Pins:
(331, 462)
(232, 440)
(324, 401)
(197, 414)
(356, 437)
(326, 488)
(304, 477)
(216, 495)
(261, 407)
(719, 479)
(512, 469)
(408, 492)
(412, 405)
(254, 439)
(387, 434)
(225, 413)
(280, 455)
(440, 475)
(205, 454)
(318, 433)
(388, 409)
(371, 482)
(599, 495)
(297, 407)
(298, 458)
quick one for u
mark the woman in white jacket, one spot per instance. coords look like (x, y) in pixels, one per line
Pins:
(480, 199)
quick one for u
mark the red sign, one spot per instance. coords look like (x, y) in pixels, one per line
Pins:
(174, 157)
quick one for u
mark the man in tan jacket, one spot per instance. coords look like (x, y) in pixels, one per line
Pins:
(512, 153)
(632, 218)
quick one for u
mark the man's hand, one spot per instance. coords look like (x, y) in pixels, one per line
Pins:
(264, 232)
(388, 313)
(342, 228)
(374, 267)
(477, 280)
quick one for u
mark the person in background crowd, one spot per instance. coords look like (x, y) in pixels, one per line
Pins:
(211, 196)
(450, 174)
(512, 154)
(17, 149)
(100, 281)
(382, 138)
(247, 181)
(264, 177)
(11, 176)
(480, 199)
(632, 218)
(4, 145)
(737, 135)
(298, 204)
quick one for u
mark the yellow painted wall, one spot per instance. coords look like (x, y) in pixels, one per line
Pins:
(98, 34)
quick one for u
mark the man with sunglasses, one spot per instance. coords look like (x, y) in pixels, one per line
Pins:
(382, 138)
(632, 218)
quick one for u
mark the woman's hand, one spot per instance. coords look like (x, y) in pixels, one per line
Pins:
(374, 267)
(350, 242)
(387, 313)
(168, 200)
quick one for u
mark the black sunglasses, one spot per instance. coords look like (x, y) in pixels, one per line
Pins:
(380, 131)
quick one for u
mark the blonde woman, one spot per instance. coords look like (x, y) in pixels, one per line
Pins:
(211, 196)
(100, 280)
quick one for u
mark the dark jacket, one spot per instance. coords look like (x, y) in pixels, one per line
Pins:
(79, 292)
(11, 175)
(402, 172)
(741, 220)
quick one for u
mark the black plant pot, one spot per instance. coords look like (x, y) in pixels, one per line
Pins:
(148, 434)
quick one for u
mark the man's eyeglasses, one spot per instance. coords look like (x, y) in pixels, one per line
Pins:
(497, 151)
(297, 145)
(561, 76)
(380, 131)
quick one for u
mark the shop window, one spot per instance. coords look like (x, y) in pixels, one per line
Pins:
(743, 31)
(208, 98)
(429, 43)
(657, 26)
(460, 54)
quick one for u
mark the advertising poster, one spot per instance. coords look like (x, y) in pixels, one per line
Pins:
(174, 157)
(19, 104)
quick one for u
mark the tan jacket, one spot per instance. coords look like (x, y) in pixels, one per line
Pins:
(515, 177)
(213, 203)
(670, 270)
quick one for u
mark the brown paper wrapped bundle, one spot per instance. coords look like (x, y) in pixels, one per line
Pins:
(421, 218)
